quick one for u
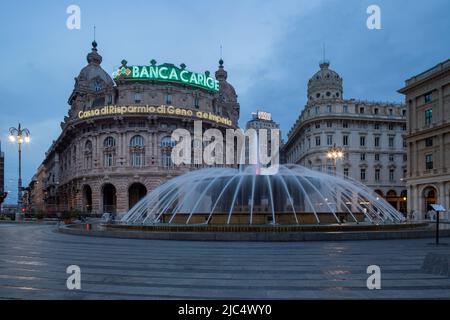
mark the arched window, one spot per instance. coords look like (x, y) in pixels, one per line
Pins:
(109, 142)
(88, 154)
(88, 146)
(167, 143)
(137, 151)
(109, 153)
(137, 141)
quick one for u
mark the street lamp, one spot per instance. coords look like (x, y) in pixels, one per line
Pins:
(19, 135)
(334, 154)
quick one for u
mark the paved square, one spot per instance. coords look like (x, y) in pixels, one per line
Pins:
(33, 261)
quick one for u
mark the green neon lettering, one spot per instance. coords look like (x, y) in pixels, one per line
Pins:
(161, 74)
(173, 74)
(135, 71)
(144, 72)
(193, 78)
(182, 74)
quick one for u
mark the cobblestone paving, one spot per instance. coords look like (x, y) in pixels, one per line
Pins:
(33, 261)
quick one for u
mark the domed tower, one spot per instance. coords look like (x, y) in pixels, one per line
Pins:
(227, 103)
(93, 86)
(324, 84)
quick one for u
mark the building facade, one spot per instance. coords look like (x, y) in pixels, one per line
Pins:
(371, 135)
(263, 120)
(427, 96)
(116, 142)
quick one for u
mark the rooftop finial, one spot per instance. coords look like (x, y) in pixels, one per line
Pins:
(221, 59)
(94, 43)
(324, 63)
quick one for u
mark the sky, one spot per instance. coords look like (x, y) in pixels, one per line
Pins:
(270, 49)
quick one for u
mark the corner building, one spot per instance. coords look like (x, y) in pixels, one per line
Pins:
(116, 143)
(371, 134)
(427, 96)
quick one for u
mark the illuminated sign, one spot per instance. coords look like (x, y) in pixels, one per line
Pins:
(163, 109)
(263, 115)
(167, 72)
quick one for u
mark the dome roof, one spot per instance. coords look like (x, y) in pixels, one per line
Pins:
(227, 91)
(93, 70)
(325, 80)
(293, 195)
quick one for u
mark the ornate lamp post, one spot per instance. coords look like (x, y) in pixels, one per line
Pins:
(19, 135)
(334, 154)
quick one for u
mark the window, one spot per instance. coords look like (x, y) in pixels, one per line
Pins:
(88, 146)
(328, 108)
(137, 141)
(428, 97)
(404, 127)
(363, 174)
(345, 140)
(404, 143)
(377, 174)
(361, 110)
(317, 125)
(88, 154)
(329, 124)
(403, 112)
(317, 141)
(168, 99)
(363, 156)
(137, 151)
(377, 157)
(317, 110)
(429, 142)
(196, 102)
(377, 141)
(329, 140)
(375, 111)
(391, 142)
(345, 124)
(405, 157)
(362, 141)
(137, 98)
(345, 109)
(391, 126)
(346, 173)
(110, 99)
(109, 142)
(391, 175)
(168, 142)
(376, 126)
(428, 116)
(109, 159)
(391, 157)
(391, 112)
(429, 161)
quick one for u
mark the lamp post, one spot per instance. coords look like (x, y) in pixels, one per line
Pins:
(334, 154)
(19, 135)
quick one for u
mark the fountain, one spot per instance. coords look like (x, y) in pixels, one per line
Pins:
(294, 196)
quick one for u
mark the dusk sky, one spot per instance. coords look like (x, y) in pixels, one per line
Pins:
(270, 49)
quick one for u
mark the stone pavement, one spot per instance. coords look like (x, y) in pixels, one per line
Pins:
(33, 261)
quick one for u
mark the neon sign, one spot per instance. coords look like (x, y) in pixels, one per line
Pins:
(162, 109)
(167, 72)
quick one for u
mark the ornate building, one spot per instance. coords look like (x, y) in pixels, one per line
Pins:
(427, 96)
(371, 135)
(116, 143)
